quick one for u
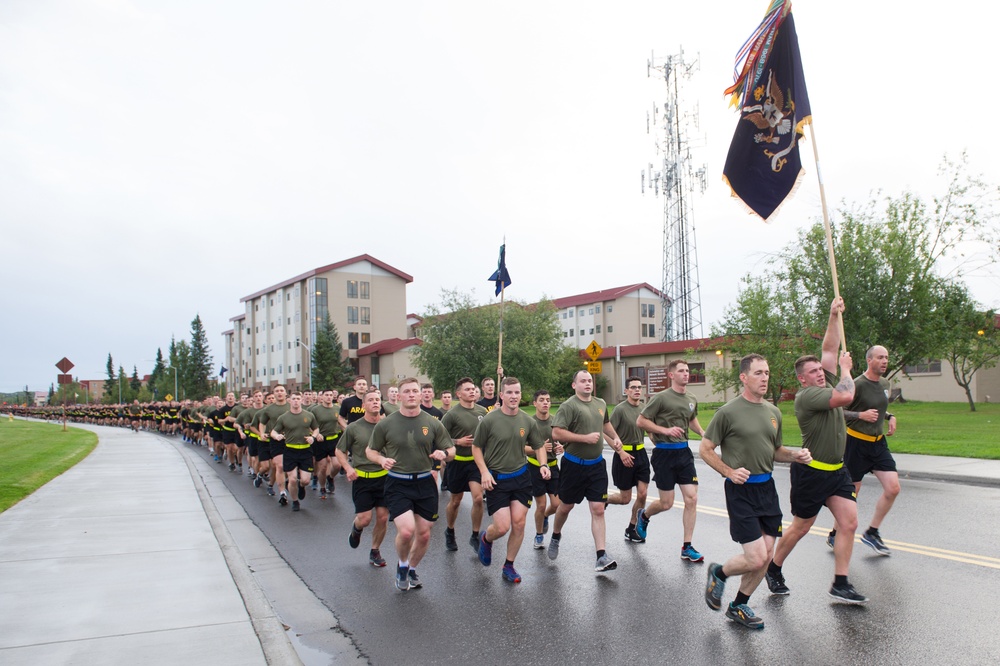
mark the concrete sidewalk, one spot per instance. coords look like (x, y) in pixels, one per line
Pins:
(116, 561)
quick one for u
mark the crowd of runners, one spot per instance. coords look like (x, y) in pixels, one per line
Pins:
(396, 452)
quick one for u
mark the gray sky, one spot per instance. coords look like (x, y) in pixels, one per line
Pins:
(161, 159)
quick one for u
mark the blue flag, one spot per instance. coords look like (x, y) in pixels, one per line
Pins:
(222, 371)
(763, 166)
(501, 276)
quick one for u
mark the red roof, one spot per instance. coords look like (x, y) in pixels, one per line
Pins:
(389, 346)
(601, 296)
(323, 269)
(672, 347)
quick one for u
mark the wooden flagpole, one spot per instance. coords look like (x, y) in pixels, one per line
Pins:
(829, 234)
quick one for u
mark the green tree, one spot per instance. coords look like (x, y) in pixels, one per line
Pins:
(199, 368)
(159, 368)
(134, 382)
(460, 338)
(975, 345)
(188, 386)
(330, 369)
(126, 387)
(110, 397)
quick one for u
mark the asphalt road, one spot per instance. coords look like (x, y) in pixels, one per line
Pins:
(933, 601)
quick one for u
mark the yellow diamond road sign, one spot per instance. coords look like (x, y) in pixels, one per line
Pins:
(594, 350)
(594, 367)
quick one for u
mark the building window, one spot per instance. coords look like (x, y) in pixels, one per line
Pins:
(365, 290)
(288, 297)
(570, 334)
(352, 340)
(366, 338)
(289, 321)
(644, 311)
(697, 373)
(298, 367)
(256, 329)
(352, 314)
(591, 331)
(591, 311)
(564, 315)
(366, 314)
(280, 366)
(581, 332)
(598, 328)
(652, 310)
(926, 367)
(256, 307)
(289, 345)
(272, 301)
(611, 308)
(611, 329)
(638, 372)
(352, 288)
(272, 325)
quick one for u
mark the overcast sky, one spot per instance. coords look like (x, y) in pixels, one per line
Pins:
(162, 159)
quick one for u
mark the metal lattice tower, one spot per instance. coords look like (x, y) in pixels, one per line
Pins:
(675, 179)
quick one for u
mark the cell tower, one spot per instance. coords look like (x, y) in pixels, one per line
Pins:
(675, 180)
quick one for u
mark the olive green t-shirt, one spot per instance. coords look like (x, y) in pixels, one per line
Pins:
(265, 418)
(623, 420)
(389, 408)
(824, 431)
(502, 438)
(747, 434)
(869, 394)
(295, 427)
(326, 417)
(354, 441)
(460, 422)
(583, 418)
(245, 419)
(545, 432)
(670, 409)
(410, 440)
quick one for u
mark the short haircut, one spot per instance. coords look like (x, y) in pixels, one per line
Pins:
(372, 390)
(486, 379)
(673, 364)
(538, 394)
(634, 379)
(357, 377)
(427, 385)
(802, 360)
(870, 354)
(298, 393)
(577, 374)
(409, 380)
(508, 381)
(748, 360)
(462, 382)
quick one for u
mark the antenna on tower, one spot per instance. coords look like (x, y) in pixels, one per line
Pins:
(677, 177)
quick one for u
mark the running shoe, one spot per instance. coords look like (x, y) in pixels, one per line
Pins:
(302, 492)
(217, 459)
(283, 500)
(847, 594)
(322, 493)
(415, 583)
(641, 523)
(633, 536)
(510, 574)
(232, 467)
(270, 491)
(485, 550)
(830, 538)
(741, 614)
(257, 481)
(539, 541)
(375, 557)
(605, 563)
(776, 583)
(314, 483)
(402, 579)
(474, 541)
(873, 540)
(714, 587)
(553, 548)
(449, 540)
(240, 468)
(355, 538)
(690, 554)
(545, 525)
(330, 485)
(295, 505)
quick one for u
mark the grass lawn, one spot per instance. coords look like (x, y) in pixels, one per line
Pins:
(929, 428)
(34, 454)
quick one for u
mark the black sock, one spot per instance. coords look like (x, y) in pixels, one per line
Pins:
(840, 581)
(556, 536)
(871, 530)
(508, 563)
(687, 544)
(601, 553)
(720, 574)
(449, 530)
(773, 568)
(631, 526)
(741, 598)
(475, 534)
(833, 533)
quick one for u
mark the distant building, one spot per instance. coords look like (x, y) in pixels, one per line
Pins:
(626, 315)
(366, 300)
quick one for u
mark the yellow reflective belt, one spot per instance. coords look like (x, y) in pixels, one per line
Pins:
(826, 467)
(297, 446)
(551, 463)
(862, 436)
(464, 458)
(633, 447)
(371, 475)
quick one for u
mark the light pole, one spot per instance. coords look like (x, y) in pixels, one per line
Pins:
(309, 349)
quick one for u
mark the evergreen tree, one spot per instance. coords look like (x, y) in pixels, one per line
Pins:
(135, 383)
(330, 369)
(110, 397)
(159, 368)
(187, 386)
(126, 388)
(200, 359)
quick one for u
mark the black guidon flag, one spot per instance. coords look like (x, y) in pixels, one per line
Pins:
(763, 166)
